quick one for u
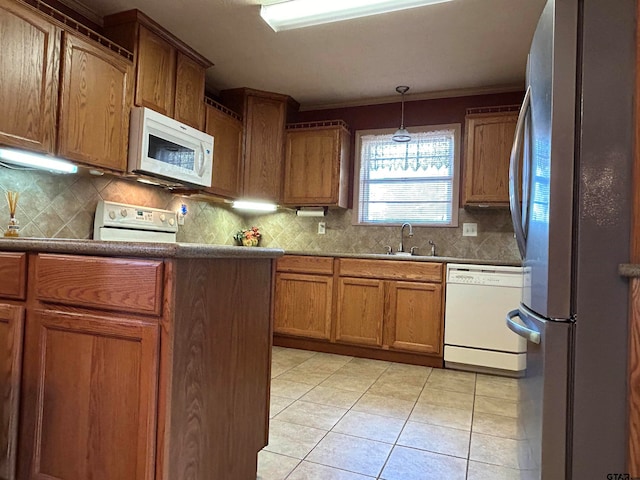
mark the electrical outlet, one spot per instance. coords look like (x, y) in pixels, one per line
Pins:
(469, 229)
(322, 228)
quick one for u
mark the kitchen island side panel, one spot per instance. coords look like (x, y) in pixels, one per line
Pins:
(220, 341)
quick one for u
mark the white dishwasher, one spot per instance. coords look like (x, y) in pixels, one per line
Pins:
(476, 336)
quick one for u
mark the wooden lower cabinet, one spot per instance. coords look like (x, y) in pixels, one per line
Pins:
(303, 305)
(413, 320)
(11, 335)
(383, 309)
(360, 311)
(134, 368)
(91, 407)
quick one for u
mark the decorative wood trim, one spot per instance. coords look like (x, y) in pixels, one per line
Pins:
(222, 108)
(358, 351)
(73, 25)
(318, 125)
(493, 109)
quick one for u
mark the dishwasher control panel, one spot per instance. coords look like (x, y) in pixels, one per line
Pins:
(502, 276)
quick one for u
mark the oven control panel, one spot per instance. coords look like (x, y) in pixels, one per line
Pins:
(133, 217)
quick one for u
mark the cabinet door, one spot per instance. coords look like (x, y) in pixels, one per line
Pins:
(264, 148)
(360, 311)
(189, 103)
(30, 63)
(227, 153)
(156, 70)
(489, 141)
(312, 167)
(95, 105)
(303, 305)
(11, 333)
(90, 400)
(414, 318)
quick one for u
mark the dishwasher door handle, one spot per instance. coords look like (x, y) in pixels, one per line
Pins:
(518, 328)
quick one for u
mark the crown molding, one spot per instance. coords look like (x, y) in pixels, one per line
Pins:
(461, 92)
(83, 10)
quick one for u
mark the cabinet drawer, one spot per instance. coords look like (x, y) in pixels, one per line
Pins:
(128, 285)
(305, 264)
(391, 270)
(13, 275)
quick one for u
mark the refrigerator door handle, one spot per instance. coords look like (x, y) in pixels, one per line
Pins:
(514, 174)
(518, 328)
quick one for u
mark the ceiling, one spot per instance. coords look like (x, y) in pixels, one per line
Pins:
(446, 49)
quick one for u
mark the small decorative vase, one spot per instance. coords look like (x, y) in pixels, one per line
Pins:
(13, 229)
(250, 242)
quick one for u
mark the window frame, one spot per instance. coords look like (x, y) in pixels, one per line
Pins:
(455, 194)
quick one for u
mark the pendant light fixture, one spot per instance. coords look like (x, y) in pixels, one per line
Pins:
(401, 135)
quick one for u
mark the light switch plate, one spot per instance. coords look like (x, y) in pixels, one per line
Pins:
(322, 228)
(469, 229)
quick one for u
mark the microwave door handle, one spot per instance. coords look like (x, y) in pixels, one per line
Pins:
(514, 169)
(201, 157)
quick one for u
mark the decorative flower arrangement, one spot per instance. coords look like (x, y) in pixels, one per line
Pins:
(248, 238)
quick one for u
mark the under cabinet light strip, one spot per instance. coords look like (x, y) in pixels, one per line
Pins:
(292, 14)
(34, 160)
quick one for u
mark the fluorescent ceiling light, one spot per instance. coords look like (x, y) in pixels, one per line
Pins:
(36, 160)
(292, 14)
(256, 206)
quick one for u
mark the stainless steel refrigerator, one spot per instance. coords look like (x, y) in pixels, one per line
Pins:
(571, 207)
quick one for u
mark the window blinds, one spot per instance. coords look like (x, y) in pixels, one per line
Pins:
(407, 182)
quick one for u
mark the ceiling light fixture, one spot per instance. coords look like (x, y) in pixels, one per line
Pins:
(36, 160)
(291, 14)
(401, 135)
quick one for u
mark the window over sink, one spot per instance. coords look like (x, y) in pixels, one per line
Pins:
(414, 182)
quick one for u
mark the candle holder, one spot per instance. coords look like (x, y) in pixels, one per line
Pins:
(13, 229)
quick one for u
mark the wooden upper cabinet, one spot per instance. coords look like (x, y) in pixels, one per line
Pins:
(155, 73)
(95, 103)
(170, 76)
(264, 116)
(29, 63)
(316, 168)
(226, 129)
(189, 106)
(264, 148)
(489, 138)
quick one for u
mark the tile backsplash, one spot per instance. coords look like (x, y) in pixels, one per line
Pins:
(63, 206)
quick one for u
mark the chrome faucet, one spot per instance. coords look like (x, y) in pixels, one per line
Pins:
(433, 248)
(401, 249)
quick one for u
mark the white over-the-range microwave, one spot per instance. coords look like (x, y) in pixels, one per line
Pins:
(164, 148)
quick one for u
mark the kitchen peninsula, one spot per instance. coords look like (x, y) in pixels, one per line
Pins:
(134, 361)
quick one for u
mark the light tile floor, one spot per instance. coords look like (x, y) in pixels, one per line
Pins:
(343, 418)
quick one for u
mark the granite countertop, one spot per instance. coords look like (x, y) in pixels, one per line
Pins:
(629, 270)
(413, 258)
(135, 249)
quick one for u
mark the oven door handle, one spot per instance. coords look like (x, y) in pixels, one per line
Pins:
(518, 328)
